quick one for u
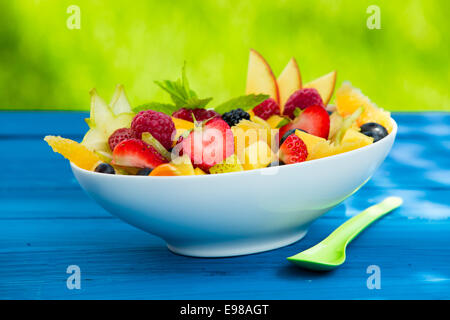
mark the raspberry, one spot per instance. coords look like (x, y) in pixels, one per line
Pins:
(234, 116)
(184, 114)
(158, 124)
(266, 109)
(118, 136)
(199, 114)
(302, 99)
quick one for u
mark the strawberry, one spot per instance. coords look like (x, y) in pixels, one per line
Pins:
(136, 153)
(293, 150)
(209, 144)
(314, 120)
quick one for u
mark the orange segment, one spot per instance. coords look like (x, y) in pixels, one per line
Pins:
(348, 99)
(181, 166)
(74, 152)
(165, 169)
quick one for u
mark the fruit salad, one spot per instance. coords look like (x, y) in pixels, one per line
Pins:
(278, 121)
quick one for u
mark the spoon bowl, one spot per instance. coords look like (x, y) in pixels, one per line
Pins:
(330, 253)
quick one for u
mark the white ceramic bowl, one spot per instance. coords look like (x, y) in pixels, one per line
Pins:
(235, 213)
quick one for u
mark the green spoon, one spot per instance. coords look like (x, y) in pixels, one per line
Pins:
(330, 253)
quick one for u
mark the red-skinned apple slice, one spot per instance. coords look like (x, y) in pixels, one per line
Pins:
(324, 85)
(288, 82)
(260, 78)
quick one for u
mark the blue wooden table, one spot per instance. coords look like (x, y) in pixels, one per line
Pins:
(47, 223)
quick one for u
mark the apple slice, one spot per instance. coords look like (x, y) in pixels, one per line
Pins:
(288, 82)
(260, 78)
(324, 85)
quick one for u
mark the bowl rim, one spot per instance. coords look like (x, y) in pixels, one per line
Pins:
(393, 133)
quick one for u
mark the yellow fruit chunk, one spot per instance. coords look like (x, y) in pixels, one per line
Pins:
(355, 137)
(310, 140)
(255, 156)
(248, 132)
(352, 140)
(199, 172)
(230, 164)
(181, 126)
(348, 99)
(274, 120)
(74, 152)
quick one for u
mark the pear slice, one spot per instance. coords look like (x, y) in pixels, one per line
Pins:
(260, 78)
(288, 82)
(324, 85)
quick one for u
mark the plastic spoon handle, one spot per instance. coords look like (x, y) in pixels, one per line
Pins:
(351, 228)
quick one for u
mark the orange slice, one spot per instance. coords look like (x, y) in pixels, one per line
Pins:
(74, 152)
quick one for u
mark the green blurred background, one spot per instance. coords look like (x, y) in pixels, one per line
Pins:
(44, 65)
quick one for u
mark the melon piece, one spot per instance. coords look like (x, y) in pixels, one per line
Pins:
(257, 155)
(311, 141)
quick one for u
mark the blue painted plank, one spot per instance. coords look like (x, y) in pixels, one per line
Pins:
(118, 261)
(47, 223)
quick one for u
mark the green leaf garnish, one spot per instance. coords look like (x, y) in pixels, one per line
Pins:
(181, 94)
(157, 106)
(246, 102)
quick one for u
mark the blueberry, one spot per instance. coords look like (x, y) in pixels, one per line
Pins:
(374, 130)
(276, 164)
(144, 172)
(105, 168)
(288, 133)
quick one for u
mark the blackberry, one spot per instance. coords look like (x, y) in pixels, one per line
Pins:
(234, 116)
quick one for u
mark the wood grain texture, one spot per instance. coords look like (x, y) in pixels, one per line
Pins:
(47, 223)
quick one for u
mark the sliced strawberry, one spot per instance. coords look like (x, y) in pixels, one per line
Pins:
(210, 144)
(293, 150)
(314, 120)
(136, 153)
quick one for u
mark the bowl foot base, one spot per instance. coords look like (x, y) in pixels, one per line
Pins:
(236, 248)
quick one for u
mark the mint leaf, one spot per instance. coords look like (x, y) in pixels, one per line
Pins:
(181, 94)
(246, 102)
(193, 103)
(157, 106)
